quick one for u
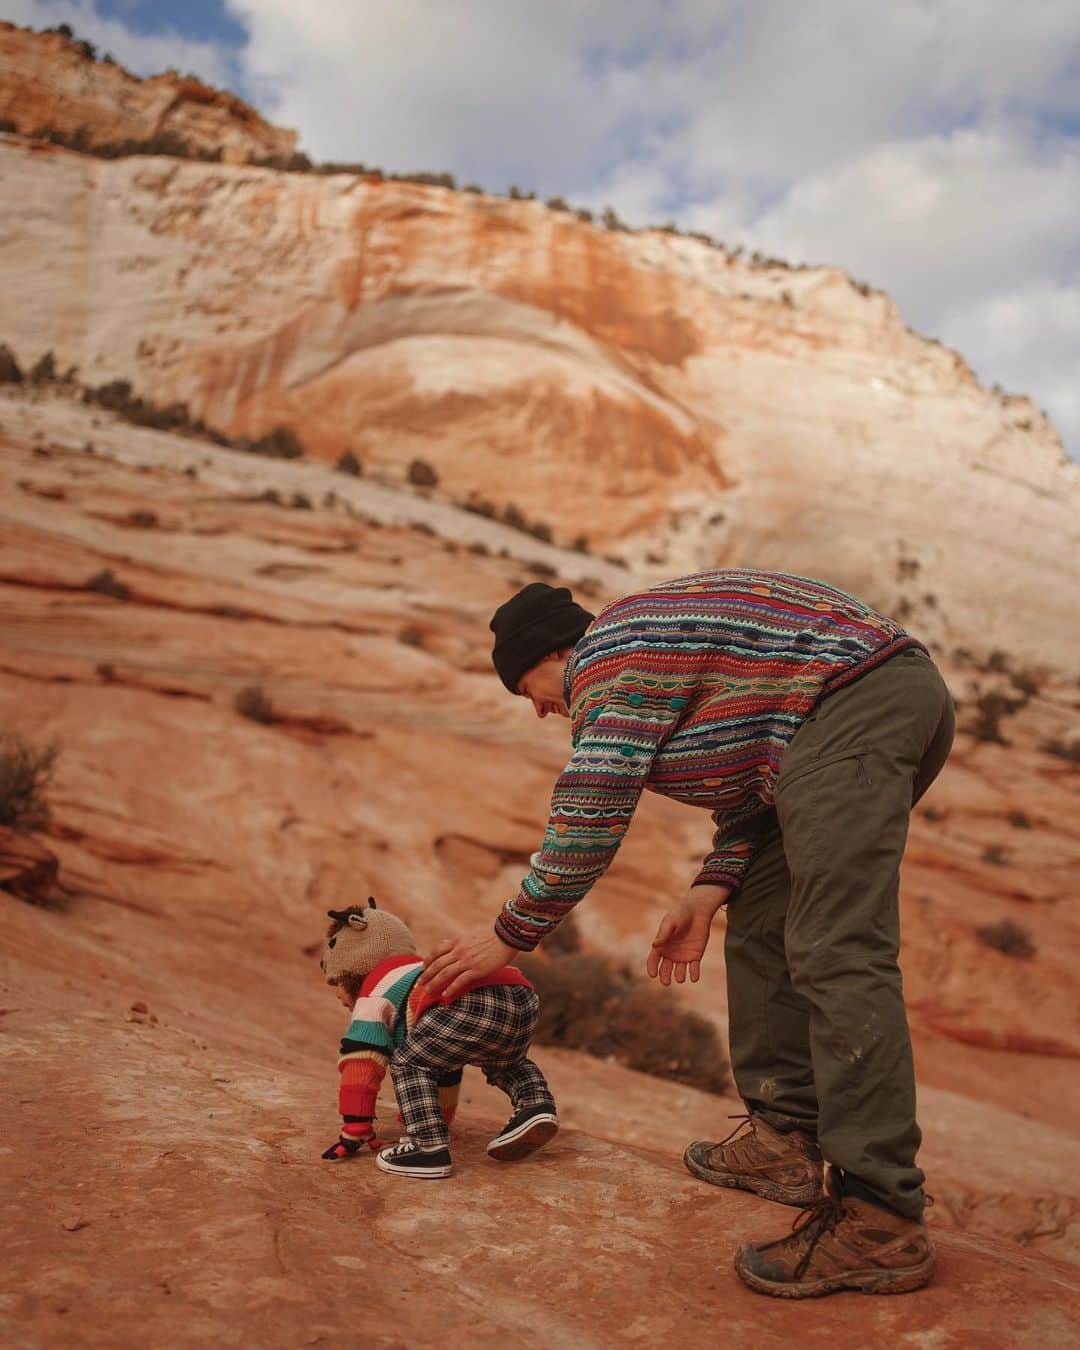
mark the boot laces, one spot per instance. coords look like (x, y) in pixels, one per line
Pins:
(813, 1223)
(744, 1120)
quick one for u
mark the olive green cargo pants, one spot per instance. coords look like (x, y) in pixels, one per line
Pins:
(819, 1036)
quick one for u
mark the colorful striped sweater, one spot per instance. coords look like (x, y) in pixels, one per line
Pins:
(693, 689)
(388, 1007)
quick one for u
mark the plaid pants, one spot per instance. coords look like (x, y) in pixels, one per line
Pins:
(492, 1027)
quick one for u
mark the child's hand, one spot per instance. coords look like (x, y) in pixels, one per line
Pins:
(351, 1143)
(344, 1148)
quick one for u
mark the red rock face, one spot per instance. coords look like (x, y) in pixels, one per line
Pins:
(49, 82)
(393, 763)
(667, 403)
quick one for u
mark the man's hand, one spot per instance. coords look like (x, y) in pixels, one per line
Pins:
(459, 961)
(682, 937)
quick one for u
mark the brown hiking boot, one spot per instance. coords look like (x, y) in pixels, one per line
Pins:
(777, 1166)
(840, 1243)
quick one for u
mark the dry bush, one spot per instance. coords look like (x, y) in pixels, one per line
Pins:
(421, 474)
(25, 771)
(10, 370)
(348, 463)
(650, 1033)
(588, 1004)
(1066, 750)
(251, 702)
(105, 583)
(1007, 936)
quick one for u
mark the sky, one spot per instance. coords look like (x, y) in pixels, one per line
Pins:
(928, 147)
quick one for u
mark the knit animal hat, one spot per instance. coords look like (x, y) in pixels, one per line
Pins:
(538, 620)
(364, 938)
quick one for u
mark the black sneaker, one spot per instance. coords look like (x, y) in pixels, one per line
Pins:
(406, 1159)
(525, 1132)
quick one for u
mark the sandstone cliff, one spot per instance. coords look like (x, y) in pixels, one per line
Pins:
(665, 401)
(51, 82)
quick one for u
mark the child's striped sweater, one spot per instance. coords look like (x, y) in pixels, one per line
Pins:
(694, 690)
(388, 1007)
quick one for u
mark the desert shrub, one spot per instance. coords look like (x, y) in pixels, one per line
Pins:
(348, 463)
(411, 636)
(480, 506)
(251, 702)
(610, 219)
(25, 771)
(996, 854)
(301, 502)
(143, 520)
(580, 544)
(991, 707)
(10, 370)
(558, 204)
(1007, 936)
(106, 583)
(43, 371)
(575, 990)
(281, 443)
(421, 474)
(1019, 821)
(588, 1004)
(1062, 749)
(651, 1035)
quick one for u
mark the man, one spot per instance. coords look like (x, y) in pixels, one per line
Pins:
(808, 725)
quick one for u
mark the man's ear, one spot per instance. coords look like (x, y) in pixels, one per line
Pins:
(357, 921)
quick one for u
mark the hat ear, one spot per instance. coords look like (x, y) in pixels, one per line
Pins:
(338, 915)
(357, 921)
(371, 901)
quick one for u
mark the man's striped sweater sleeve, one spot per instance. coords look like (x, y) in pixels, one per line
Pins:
(734, 847)
(591, 808)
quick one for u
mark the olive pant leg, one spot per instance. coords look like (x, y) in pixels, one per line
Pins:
(768, 1021)
(843, 800)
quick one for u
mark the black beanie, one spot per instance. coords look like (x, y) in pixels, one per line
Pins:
(539, 620)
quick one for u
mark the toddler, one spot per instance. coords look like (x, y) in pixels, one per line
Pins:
(370, 958)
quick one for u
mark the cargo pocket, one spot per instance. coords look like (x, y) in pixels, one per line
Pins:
(858, 753)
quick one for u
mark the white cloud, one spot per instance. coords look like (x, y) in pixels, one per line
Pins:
(143, 54)
(1033, 333)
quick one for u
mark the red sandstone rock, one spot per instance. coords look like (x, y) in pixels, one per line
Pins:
(48, 82)
(27, 868)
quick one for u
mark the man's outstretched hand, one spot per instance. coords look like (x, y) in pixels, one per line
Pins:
(459, 961)
(682, 937)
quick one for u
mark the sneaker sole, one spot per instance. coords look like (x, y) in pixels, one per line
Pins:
(797, 1196)
(525, 1139)
(425, 1174)
(874, 1281)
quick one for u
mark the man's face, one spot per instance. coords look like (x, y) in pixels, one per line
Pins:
(543, 686)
